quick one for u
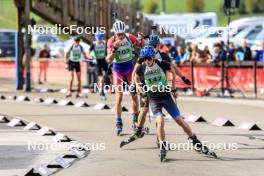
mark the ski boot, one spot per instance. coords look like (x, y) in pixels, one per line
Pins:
(102, 96)
(200, 148)
(163, 150)
(119, 126)
(135, 121)
(138, 134)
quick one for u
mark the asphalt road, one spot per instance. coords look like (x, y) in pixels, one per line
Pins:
(96, 127)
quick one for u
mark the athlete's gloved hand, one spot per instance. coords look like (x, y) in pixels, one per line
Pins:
(116, 46)
(186, 80)
(175, 95)
(141, 35)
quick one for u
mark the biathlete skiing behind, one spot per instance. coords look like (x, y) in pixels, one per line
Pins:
(153, 40)
(72, 59)
(120, 53)
(98, 52)
(153, 72)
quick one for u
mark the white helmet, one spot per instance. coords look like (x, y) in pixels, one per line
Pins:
(119, 27)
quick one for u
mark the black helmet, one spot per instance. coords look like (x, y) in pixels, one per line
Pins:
(77, 38)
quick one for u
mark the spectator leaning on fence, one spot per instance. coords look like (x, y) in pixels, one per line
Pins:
(219, 54)
(198, 55)
(260, 53)
(44, 56)
(207, 52)
(244, 52)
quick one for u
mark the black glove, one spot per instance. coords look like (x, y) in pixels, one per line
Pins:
(186, 80)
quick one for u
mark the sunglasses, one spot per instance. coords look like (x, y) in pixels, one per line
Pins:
(120, 34)
(147, 58)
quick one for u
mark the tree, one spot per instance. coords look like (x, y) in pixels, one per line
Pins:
(242, 8)
(150, 7)
(195, 5)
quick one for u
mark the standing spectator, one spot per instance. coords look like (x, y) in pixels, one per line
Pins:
(180, 55)
(44, 57)
(231, 52)
(244, 52)
(260, 53)
(187, 56)
(219, 54)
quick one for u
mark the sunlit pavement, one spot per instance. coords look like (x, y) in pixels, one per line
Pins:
(97, 126)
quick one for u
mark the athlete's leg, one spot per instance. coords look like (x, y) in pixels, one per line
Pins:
(174, 112)
(134, 99)
(160, 127)
(40, 72)
(45, 70)
(78, 74)
(117, 79)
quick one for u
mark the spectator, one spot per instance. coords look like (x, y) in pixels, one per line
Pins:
(219, 54)
(180, 55)
(206, 51)
(172, 51)
(244, 52)
(260, 53)
(44, 57)
(187, 56)
(198, 55)
(231, 52)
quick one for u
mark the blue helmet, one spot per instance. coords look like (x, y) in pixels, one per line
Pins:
(147, 51)
(99, 36)
(153, 40)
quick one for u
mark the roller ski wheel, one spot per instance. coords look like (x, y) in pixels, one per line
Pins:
(202, 149)
(146, 130)
(208, 152)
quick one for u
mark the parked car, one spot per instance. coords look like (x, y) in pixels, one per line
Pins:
(256, 43)
(55, 45)
(7, 43)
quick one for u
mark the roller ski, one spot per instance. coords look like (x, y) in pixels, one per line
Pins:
(138, 134)
(200, 148)
(119, 126)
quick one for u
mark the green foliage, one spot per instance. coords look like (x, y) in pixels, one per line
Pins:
(242, 8)
(195, 5)
(150, 6)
